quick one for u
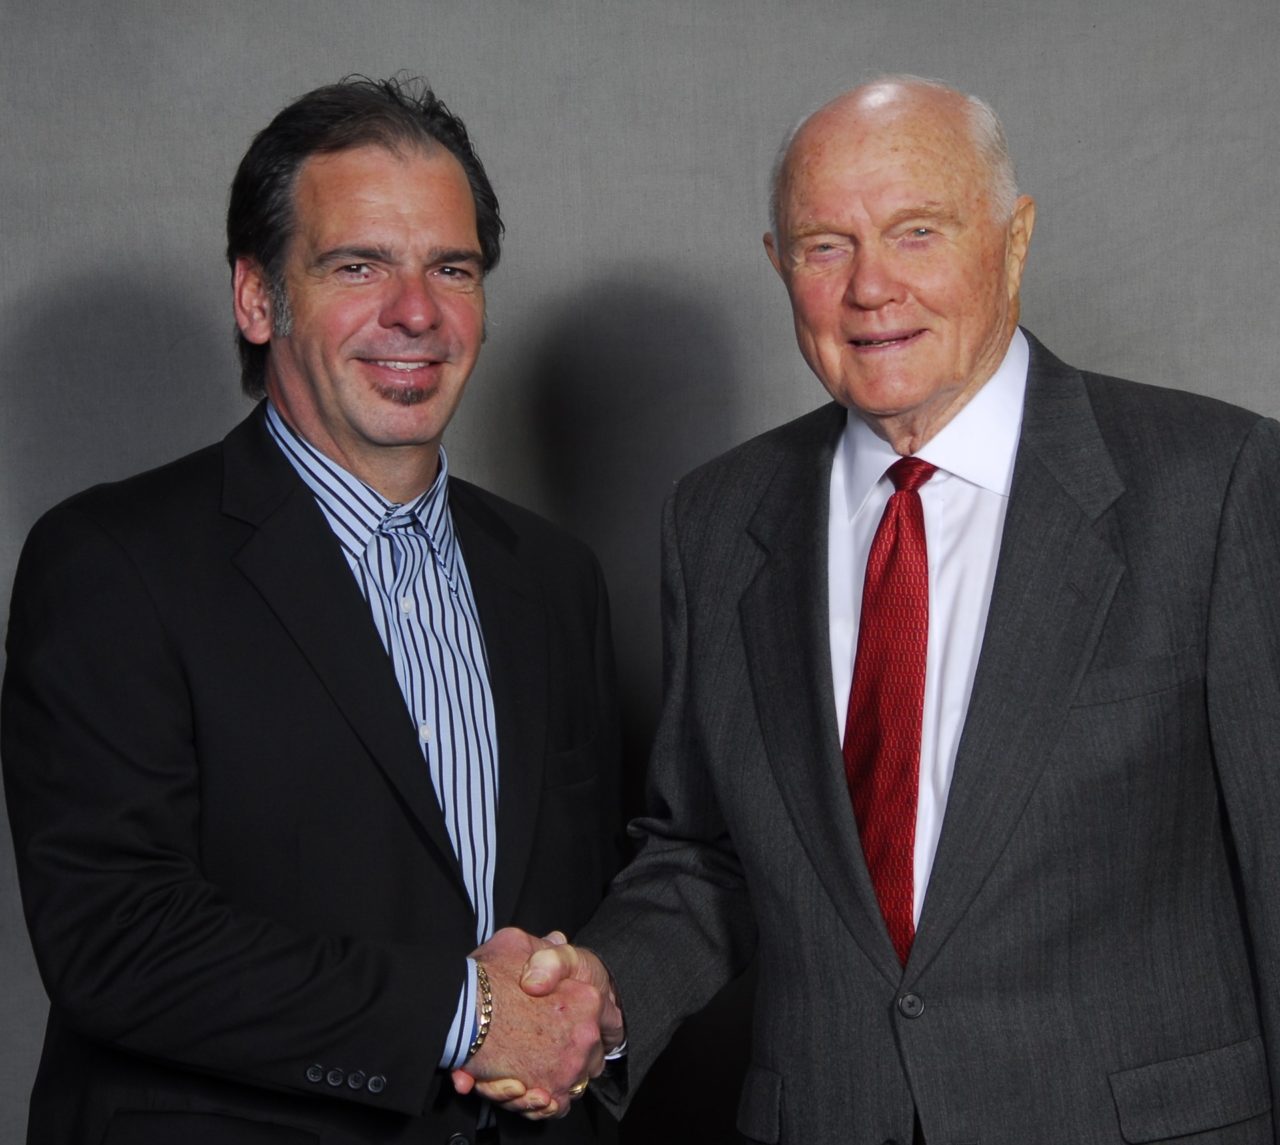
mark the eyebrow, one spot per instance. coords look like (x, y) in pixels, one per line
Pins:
(935, 212)
(435, 257)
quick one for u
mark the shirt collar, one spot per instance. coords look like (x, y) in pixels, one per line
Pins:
(978, 445)
(355, 510)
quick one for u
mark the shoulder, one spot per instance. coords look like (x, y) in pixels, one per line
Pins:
(1129, 410)
(799, 449)
(1130, 413)
(490, 526)
(1180, 444)
(1175, 441)
(160, 502)
(171, 509)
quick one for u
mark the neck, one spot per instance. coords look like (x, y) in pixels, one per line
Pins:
(397, 478)
(908, 433)
(399, 473)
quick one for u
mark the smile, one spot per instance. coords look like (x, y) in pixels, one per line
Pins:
(889, 340)
(403, 367)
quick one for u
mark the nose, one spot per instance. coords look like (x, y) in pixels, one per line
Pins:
(873, 281)
(410, 306)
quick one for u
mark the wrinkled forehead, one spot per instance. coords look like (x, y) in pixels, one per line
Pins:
(926, 146)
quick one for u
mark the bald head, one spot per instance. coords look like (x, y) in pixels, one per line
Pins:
(974, 122)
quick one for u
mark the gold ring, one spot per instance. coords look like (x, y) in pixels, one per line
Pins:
(579, 1089)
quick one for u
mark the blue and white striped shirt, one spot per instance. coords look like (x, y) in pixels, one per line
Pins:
(407, 562)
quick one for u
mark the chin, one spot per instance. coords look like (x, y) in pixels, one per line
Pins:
(405, 395)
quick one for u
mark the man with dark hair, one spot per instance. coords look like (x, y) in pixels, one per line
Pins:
(294, 723)
(340, 117)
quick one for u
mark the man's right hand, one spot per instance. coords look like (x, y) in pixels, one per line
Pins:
(559, 963)
(542, 1054)
(540, 1045)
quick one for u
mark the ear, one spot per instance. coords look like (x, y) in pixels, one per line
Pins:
(1021, 225)
(771, 249)
(251, 301)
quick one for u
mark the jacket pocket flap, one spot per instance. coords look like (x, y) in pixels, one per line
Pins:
(1192, 1094)
(760, 1106)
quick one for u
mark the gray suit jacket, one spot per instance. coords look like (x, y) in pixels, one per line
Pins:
(1099, 950)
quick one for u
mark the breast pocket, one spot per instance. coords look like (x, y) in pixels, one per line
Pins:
(1138, 678)
(572, 766)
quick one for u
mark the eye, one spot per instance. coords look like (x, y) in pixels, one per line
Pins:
(823, 251)
(462, 276)
(920, 235)
(356, 270)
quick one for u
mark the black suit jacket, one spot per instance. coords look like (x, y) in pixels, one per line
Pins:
(238, 882)
(1098, 955)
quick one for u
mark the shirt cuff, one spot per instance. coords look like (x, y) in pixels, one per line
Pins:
(463, 1030)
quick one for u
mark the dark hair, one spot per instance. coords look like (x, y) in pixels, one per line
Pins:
(355, 112)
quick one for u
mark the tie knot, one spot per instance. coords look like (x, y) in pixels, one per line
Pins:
(398, 520)
(909, 473)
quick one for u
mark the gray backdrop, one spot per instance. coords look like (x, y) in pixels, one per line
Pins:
(635, 325)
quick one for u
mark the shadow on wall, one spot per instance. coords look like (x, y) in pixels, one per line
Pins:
(104, 376)
(633, 384)
(111, 374)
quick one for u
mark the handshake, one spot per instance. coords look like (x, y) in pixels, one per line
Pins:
(555, 1016)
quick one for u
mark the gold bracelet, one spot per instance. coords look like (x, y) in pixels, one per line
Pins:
(485, 1015)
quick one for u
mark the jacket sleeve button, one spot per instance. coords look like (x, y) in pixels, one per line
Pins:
(376, 1084)
(335, 1077)
(315, 1073)
(459, 1139)
(356, 1079)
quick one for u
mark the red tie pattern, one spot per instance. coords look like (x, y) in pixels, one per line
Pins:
(886, 702)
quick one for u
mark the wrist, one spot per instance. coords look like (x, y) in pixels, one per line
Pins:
(484, 1010)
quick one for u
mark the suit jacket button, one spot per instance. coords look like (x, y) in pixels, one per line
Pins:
(911, 1005)
(315, 1073)
(335, 1077)
(459, 1139)
(376, 1084)
(355, 1079)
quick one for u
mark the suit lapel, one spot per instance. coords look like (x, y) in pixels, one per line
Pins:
(1054, 583)
(513, 620)
(293, 561)
(784, 615)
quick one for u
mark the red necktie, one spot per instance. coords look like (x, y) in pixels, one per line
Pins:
(886, 702)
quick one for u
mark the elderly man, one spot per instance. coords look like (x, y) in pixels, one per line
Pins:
(293, 723)
(973, 701)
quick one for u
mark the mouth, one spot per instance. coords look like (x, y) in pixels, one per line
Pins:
(406, 366)
(889, 341)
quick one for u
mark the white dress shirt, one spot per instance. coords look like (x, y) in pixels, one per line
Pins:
(964, 507)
